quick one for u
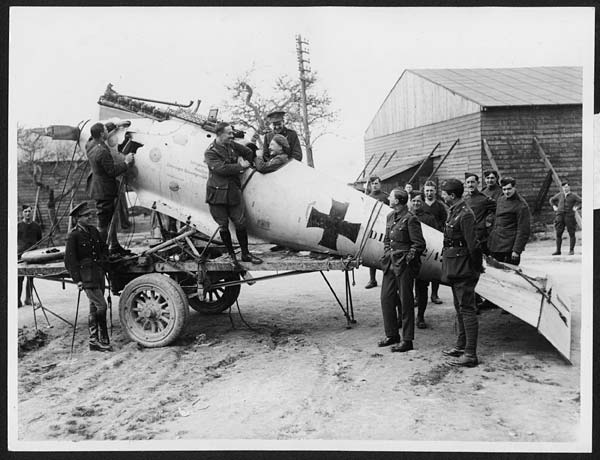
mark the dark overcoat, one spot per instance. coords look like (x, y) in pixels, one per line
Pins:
(85, 256)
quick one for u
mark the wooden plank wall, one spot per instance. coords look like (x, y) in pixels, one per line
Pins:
(414, 144)
(509, 132)
(53, 175)
(415, 101)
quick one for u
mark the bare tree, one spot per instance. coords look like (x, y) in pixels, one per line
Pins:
(248, 107)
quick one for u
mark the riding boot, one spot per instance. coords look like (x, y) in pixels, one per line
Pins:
(558, 246)
(94, 342)
(572, 241)
(103, 331)
(242, 237)
(226, 239)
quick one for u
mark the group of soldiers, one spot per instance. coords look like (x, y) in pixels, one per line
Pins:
(495, 221)
(89, 248)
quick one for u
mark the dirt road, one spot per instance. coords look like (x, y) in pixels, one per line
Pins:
(300, 374)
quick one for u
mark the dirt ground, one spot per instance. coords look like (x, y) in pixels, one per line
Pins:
(297, 373)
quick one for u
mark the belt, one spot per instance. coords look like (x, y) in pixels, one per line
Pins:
(449, 243)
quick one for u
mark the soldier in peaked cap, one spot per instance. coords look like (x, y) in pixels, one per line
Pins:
(482, 206)
(85, 255)
(276, 120)
(461, 266)
(403, 245)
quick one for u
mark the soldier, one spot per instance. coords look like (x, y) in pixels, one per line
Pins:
(226, 161)
(564, 204)
(294, 150)
(511, 226)
(437, 208)
(403, 245)
(278, 147)
(85, 255)
(104, 188)
(28, 234)
(483, 208)
(491, 189)
(461, 266)
(376, 193)
(425, 217)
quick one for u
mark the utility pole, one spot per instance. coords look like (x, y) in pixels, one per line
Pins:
(304, 70)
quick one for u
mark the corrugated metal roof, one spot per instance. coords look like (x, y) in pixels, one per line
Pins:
(511, 86)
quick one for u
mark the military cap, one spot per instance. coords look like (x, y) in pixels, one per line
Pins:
(468, 174)
(276, 115)
(487, 172)
(453, 186)
(110, 126)
(81, 209)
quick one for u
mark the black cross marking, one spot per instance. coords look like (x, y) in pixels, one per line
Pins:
(333, 224)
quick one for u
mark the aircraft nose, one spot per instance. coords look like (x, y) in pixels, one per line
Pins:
(58, 132)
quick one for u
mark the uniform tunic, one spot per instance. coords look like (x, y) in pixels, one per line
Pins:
(379, 196)
(85, 254)
(438, 210)
(263, 166)
(403, 239)
(565, 215)
(493, 192)
(421, 286)
(512, 225)
(292, 137)
(461, 266)
(483, 208)
(223, 187)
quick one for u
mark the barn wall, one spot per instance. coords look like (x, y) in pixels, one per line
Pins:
(415, 101)
(415, 144)
(53, 176)
(509, 133)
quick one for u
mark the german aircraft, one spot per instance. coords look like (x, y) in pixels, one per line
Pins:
(296, 206)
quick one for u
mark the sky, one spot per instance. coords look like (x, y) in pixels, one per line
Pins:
(61, 59)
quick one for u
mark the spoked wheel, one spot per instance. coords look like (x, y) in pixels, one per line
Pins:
(219, 299)
(153, 310)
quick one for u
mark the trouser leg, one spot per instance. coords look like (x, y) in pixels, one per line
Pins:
(226, 239)
(434, 288)
(421, 293)
(389, 304)
(571, 225)
(29, 290)
(97, 317)
(407, 301)
(372, 272)
(242, 237)
(459, 325)
(465, 293)
(559, 226)
(20, 280)
(104, 212)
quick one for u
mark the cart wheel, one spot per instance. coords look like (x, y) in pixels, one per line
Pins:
(153, 310)
(220, 299)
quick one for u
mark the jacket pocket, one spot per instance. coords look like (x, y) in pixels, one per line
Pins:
(86, 274)
(456, 264)
(217, 195)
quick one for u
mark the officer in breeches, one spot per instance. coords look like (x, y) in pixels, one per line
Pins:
(403, 246)
(461, 266)
(85, 254)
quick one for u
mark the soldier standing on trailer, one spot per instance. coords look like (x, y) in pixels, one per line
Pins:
(376, 193)
(564, 204)
(401, 262)
(461, 266)
(511, 226)
(294, 150)
(226, 161)
(85, 254)
(28, 234)
(437, 208)
(104, 188)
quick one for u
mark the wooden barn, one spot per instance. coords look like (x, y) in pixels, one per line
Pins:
(45, 180)
(512, 115)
